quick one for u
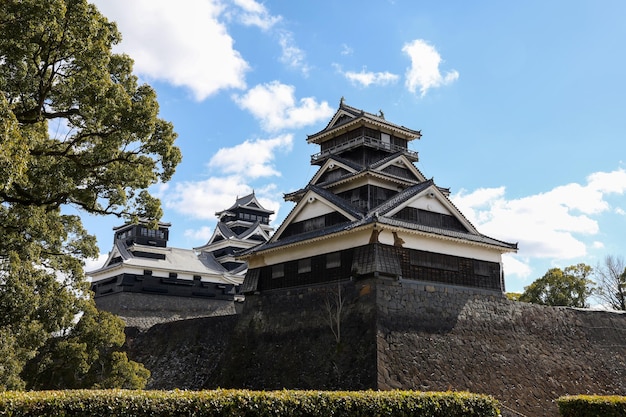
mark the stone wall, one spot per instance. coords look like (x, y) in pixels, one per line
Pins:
(285, 339)
(395, 334)
(434, 337)
(143, 311)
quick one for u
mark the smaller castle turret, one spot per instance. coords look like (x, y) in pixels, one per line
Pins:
(203, 281)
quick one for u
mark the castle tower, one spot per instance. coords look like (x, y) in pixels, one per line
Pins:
(146, 282)
(369, 212)
(242, 226)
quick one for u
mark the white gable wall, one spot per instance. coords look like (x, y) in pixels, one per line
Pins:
(311, 209)
(430, 204)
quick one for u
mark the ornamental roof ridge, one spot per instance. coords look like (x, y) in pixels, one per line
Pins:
(244, 202)
(337, 201)
(141, 221)
(386, 159)
(399, 198)
(357, 114)
(225, 230)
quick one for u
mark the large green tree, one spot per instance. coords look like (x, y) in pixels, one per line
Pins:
(570, 287)
(76, 130)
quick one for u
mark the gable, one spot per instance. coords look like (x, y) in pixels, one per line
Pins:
(340, 118)
(330, 171)
(401, 167)
(431, 208)
(313, 207)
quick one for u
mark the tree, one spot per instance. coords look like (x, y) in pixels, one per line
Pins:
(76, 130)
(570, 287)
(611, 280)
(87, 356)
(513, 296)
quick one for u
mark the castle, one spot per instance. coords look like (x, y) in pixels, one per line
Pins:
(374, 280)
(369, 212)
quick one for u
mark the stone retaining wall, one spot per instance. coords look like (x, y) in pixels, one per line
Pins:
(434, 337)
(396, 334)
(143, 311)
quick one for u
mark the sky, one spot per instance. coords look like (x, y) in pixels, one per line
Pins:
(521, 106)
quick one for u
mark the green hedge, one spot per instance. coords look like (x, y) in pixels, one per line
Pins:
(592, 406)
(241, 403)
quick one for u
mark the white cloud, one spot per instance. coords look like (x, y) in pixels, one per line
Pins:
(346, 50)
(183, 44)
(367, 78)
(92, 264)
(251, 158)
(274, 104)
(514, 266)
(291, 54)
(202, 199)
(551, 225)
(200, 235)
(255, 14)
(424, 72)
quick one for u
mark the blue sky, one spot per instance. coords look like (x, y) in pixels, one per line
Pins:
(521, 107)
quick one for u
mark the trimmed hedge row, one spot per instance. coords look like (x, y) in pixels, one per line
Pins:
(242, 403)
(592, 406)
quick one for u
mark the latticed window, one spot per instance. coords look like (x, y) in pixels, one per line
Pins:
(304, 266)
(278, 271)
(333, 260)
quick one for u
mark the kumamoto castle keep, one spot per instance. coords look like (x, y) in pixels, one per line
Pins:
(374, 280)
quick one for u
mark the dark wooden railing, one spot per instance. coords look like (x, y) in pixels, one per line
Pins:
(361, 141)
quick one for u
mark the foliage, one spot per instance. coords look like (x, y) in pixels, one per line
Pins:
(611, 280)
(87, 356)
(569, 287)
(231, 403)
(592, 406)
(513, 296)
(76, 130)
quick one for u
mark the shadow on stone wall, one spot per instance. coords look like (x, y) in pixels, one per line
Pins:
(285, 339)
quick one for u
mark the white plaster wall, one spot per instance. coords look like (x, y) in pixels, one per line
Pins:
(313, 209)
(431, 204)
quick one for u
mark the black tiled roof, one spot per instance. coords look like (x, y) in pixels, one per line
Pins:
(249, 230)
(402, 196)
(337, 201)
(478, 238)
(357, 113)
(225, 230)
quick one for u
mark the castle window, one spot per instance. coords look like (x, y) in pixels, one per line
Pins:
(434, 260)
(482, 268)
(314, 224)
(278, 271)
(304, 266)
(333, 260)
